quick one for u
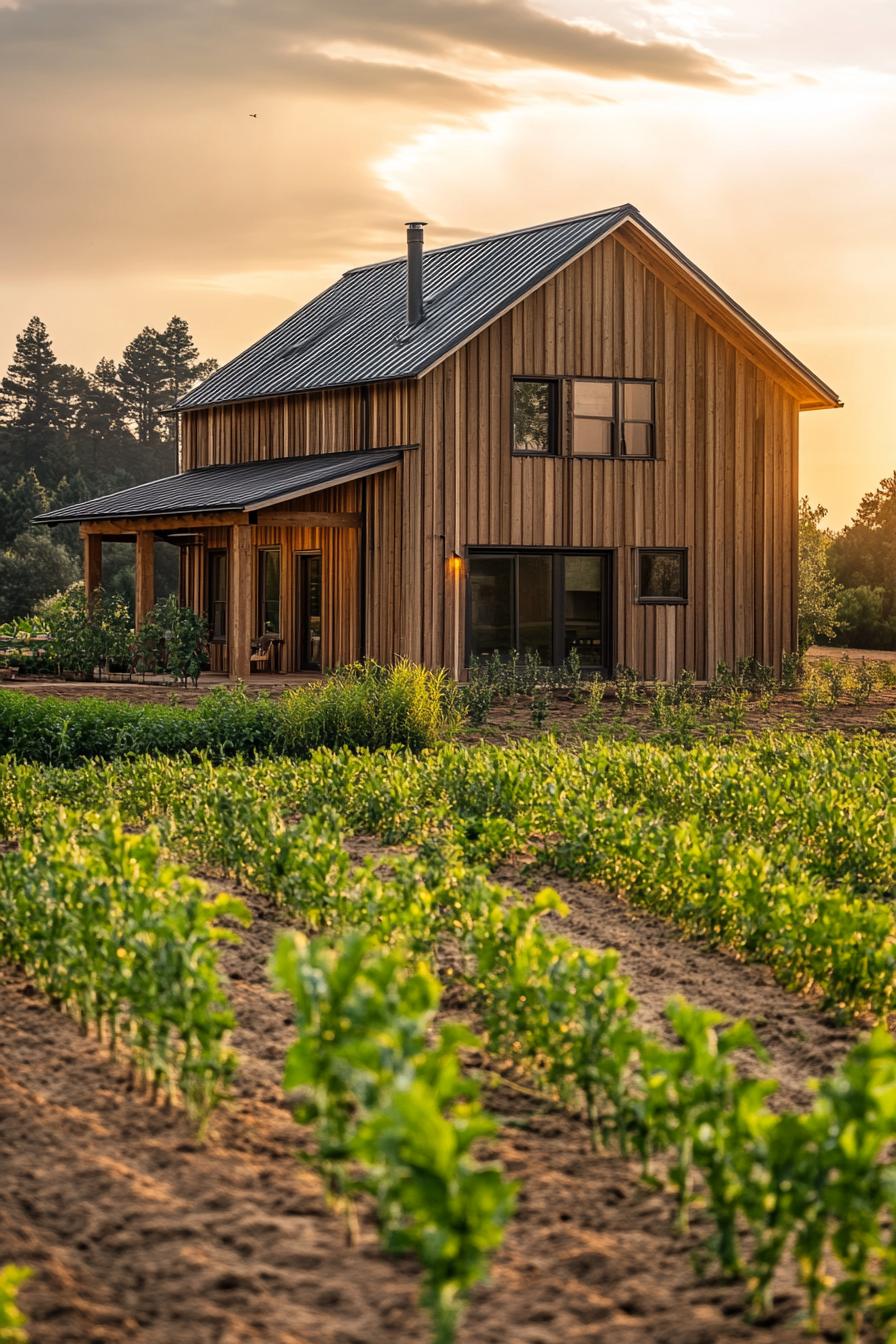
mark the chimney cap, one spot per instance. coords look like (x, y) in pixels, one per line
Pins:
(416, 224)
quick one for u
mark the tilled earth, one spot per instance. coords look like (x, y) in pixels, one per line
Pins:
(137, 1233)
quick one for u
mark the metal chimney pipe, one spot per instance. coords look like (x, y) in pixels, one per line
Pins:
(415, 273)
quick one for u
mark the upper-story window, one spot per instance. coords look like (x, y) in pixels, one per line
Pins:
(535, 415)
(613, 417)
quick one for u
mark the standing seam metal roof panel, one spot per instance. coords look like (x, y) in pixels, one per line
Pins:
(222, 488)
(356, 331)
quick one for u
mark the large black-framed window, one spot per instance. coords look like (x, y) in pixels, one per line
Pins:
(661, 574)
(613, 417)
(269, 590)
(216, 604)
(534, 417)
(549, 602)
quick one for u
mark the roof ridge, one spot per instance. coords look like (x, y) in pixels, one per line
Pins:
(505, 233)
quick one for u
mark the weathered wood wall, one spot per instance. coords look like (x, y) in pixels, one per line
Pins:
(333, 421)
(339, 548)
(723, 485)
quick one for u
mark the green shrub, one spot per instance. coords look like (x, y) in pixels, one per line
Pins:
(87, 635)
(173, 639)
(361, 706)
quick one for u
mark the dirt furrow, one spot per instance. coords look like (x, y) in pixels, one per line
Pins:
(137, 1233)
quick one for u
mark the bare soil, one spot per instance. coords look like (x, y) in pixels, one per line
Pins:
(801, 1041)
(136, 1232)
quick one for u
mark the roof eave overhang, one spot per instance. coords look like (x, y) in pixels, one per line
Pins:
(811, 393)
(217, 510)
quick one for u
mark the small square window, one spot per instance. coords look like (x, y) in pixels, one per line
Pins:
(662, 575)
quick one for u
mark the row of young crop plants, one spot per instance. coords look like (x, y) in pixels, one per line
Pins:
(813, 1184)
(783, 850)
(396, 1117)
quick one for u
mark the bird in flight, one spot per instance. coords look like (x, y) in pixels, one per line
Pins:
(253, 114)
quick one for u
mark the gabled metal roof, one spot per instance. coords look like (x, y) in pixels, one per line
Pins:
(357, 330)
(244, 487)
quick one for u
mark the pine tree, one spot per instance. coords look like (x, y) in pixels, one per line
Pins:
(143, 386)
(35, 407)
(29, 391)
(19, 503)
(183, 368)
(182, 363)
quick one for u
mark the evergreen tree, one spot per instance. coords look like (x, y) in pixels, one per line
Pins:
(863, 558)
(143, 387)
(33, 406)
(19, 503)
(183, 367)
(30, 395)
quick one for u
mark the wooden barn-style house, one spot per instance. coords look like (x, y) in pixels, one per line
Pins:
(561, 437)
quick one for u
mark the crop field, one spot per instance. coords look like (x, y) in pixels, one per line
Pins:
(523, 1042)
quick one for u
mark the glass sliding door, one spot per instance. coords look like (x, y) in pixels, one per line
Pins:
(544, 602)
(535, 606)
(583, 608)
(493, 600)
(308, 612)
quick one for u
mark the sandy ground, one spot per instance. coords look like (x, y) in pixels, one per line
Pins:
(137, 1233)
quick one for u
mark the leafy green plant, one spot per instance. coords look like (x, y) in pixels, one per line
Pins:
(541, 704)
(127, 942)
(362, 707)
(173, 639)
(791, 671)
(625, 682)
(12, 1318)
(84, 636)
(393, 1113)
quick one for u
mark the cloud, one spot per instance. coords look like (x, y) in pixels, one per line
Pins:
(134, 150)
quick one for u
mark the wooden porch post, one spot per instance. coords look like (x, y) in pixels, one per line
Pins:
(93, 565)
(240, 602)
(144, 576)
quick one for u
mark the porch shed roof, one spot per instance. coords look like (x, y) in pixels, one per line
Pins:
(246, 486)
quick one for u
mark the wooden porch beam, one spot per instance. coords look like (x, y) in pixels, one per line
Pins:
(182, 522)
(240, 602)
(306, 518)
(93, 566)
(144, 576)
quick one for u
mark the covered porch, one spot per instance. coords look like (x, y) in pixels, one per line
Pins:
(271, 555)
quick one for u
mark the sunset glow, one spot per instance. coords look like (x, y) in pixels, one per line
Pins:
(758, 137)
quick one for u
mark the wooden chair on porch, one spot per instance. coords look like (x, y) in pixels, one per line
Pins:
(261, 658)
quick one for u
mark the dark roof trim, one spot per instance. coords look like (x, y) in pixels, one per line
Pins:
(241, 487)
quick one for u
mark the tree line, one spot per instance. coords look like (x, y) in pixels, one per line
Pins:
(848, 578)
(68, 435)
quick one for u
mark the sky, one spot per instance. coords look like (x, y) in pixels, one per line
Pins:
(758, 135)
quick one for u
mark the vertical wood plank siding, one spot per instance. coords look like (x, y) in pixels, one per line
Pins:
(339, 548)
(723, 485)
